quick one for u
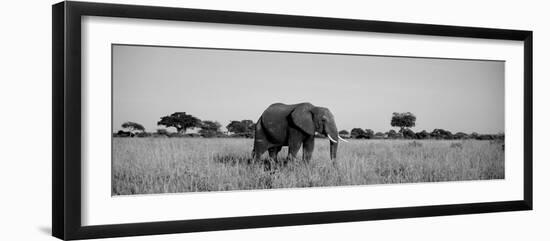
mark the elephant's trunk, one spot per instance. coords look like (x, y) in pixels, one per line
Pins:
(333, 150)
(332, 134)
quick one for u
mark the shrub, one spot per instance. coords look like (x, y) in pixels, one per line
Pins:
(162, 132)
(124, 134)
(358, 133)
(392, 134)
(460, 136)
(422, 135)
(441, 134)
(379, 135)
(408, 134)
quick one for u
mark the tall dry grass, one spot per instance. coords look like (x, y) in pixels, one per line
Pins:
(171, 165)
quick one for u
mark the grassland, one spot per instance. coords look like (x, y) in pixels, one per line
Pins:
(171, 165)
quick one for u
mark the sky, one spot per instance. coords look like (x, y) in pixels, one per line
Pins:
(361, 91)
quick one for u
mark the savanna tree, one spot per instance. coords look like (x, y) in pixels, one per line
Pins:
(132, 126)
(343, 133)
(403, 120)
(181, 121)
(358, 133)
(210, 128)
(244, 126)
(369, 133)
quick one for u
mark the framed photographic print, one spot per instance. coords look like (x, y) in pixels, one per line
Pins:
(171, 120)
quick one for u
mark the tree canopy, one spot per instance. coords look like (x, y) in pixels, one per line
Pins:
(132, 126)
(244, 126)
(403, 120)
(210, 128)
(358, 133)
(180, 120)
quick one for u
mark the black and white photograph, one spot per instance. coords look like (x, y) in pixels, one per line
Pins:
(190, 119)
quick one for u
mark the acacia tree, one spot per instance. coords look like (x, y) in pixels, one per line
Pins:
(403, 120)
(210, 128)
(243, 127)
(132, 126)
(180, 120)
(358, 133)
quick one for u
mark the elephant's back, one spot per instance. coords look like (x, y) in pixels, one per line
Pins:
(275, 122)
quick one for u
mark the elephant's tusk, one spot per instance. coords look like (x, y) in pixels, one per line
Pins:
(330, 138)
(339, 137)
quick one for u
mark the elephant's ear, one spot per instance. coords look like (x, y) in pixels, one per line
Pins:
(303, 118)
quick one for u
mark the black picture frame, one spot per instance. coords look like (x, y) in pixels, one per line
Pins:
(66, 76)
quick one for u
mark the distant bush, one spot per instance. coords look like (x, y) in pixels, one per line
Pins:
(499, 136)
(210, 129)
(408, 134)
(442, 134)
(133, 126)
(460, 136)
(241, 127)
(124, 134)
(343, 133)
(422, 135)
(358, 133)
(162, 132)
(392, 134)
(379, 135)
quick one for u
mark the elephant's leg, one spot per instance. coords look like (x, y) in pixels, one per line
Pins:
(309, 145)
(259, 150)
(295, 139)
(260, 144)
(274, 151)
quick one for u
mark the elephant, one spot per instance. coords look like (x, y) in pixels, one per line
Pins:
(294, 126)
